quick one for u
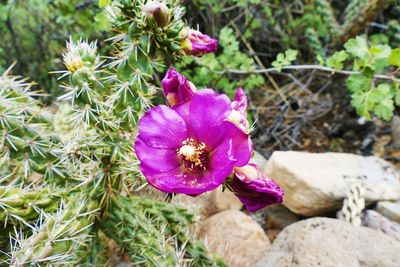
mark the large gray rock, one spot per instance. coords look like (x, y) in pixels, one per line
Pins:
(316, 183)
(328, 242)
(238, 239)
(389, 209)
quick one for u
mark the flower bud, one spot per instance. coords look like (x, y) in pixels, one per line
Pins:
(80, 55)
(177, 89)
(254, 189)
(159, 11)
(197, 44)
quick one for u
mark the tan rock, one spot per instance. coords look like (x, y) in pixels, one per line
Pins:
(259, 160)
(328, 242)
(316, 183)
(235, 237)
(209, 203)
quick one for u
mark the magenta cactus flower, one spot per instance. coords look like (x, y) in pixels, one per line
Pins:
(254, 189)
(177, 89)
(191, 148)
(197, 44)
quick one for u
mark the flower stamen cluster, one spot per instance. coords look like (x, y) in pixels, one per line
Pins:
(194, 155)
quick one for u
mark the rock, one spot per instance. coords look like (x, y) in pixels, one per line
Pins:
(225, 200)
(233, 235)
(259, 160)
(277, 218)
(272, 233)
(328, 242)
(389, 209)
(316, 183)
(396, 132)
(374, 220)
(209, 203)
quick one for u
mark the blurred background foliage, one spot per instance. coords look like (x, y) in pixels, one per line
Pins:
(251, 33)
(291, 109)
(34, 32)
(260, 29)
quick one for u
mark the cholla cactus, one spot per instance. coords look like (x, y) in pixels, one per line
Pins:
(88, 178)
(26, 142)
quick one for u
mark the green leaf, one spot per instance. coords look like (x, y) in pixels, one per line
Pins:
(284, 59)
(380, 51)
(291, 54)
(357, 47)
(358, 83)
(382, 99)
(103, 3)
(320, 59)
(397, 98)
(277, 65)
(394, 58)
(362, 104)
(385, 109)
(381, 93)
(378, 100)
(336, 60)
(382, 96)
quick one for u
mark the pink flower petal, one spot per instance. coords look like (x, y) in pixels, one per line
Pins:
(240, 101)
(242, 146)
(207, 112)
(162, 127)
(158, 159)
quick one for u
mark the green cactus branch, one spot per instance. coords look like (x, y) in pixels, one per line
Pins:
(142, 241)
(25, 204)
(60, 237)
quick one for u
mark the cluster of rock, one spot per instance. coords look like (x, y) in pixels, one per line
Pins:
(305, 230)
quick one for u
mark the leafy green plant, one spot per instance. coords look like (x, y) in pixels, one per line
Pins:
(372, 81)
(284, 59)
(368, 93)
(209, 69)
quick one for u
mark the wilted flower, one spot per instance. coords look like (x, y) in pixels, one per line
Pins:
(177, 89)
(159, 11)
(254, 189)
(196, 43)
(238, 115)
(191, 148)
